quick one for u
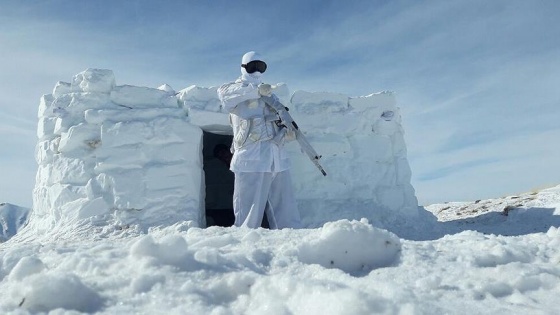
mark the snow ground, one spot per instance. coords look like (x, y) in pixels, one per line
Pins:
(459, 258)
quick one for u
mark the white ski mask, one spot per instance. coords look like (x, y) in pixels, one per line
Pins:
(254, 77)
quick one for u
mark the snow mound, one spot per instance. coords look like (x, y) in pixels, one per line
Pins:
(171, 250)
(355, 247)
(171, 269)
(26, 266)
(49, 291)
(291, 295)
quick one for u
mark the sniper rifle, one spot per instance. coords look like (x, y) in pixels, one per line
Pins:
(286, 121)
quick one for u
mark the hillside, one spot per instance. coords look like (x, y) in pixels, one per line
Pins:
(530, 212)
(12, 218)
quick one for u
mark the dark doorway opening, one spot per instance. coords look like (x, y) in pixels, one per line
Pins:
(219, 180)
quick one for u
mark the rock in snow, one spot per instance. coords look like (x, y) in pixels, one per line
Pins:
(127, 155)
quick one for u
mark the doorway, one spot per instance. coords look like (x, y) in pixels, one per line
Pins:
(219, 180)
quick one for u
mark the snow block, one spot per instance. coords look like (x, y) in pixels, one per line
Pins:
(45, 128)
(125, 133)
(80, 137)
(98, 116)
(94, 80)
(80, 102)
(62, 88)
(45, 105)
(196, 97)
(61, 194)
(319, 102)
(76, 171)
(44, 151)
(142, 97)
(380, 102)
(213, 122)
(62, 124)
(169, 177)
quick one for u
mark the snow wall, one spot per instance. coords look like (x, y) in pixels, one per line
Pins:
(121, 154)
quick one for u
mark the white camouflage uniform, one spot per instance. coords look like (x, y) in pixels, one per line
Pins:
(260, 162)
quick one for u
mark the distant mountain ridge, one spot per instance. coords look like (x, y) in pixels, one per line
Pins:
(12, 218)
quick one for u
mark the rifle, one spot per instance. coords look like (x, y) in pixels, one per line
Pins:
(286, 121)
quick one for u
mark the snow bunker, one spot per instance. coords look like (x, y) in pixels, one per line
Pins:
(121, 154)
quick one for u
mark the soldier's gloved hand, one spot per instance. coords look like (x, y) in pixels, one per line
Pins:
(273, 102)
(290, 135)
(265, 89)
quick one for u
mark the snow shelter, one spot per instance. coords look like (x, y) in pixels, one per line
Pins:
(122, 154)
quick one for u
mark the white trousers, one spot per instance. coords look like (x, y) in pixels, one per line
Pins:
(257, 192)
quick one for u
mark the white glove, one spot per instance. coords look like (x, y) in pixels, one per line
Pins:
(273, 102)
(290, 135)
(265, 89)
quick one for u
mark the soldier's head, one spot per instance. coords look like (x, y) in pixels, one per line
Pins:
(252, 65)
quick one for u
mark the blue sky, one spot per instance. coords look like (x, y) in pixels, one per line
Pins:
(478, 82)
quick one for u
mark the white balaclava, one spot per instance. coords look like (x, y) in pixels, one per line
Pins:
(255, 77)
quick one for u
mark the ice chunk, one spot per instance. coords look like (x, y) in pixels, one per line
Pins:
(62, 88)
(94, 80)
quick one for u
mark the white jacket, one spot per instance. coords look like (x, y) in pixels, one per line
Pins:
(253, 130)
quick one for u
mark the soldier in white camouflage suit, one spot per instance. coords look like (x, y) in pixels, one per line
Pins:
(260, 161)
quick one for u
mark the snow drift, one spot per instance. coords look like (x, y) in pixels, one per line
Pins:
(182, 269)
(124, 154)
